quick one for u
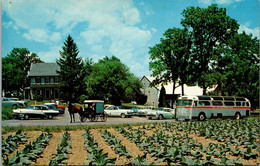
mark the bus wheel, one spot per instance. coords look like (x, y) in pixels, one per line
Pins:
(237, 116)
(202, 117)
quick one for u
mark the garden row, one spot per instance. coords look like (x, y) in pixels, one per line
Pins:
(194, 143)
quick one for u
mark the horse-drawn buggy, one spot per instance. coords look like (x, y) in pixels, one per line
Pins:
(93, 110)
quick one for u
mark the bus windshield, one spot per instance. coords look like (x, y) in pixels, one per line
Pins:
(184, 103)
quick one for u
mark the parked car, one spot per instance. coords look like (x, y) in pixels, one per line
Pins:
(161, 113)
(22, 102)
(53, 107)
(57, 106)
(145, 110)
(9, 103)
(118, 111)
(35, 111)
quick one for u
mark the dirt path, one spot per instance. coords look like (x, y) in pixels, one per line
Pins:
(79, 154)
(49, 150)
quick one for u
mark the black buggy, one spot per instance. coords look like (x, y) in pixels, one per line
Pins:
(93, 110)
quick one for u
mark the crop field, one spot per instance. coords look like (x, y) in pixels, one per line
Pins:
(219, 142)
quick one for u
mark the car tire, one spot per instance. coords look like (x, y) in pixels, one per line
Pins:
(26, 117)
(50, 116)
(160, 117)
(123, 115)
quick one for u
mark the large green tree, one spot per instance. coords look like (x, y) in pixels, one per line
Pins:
(15, 67)
(170, 59)
(239, 68)
(211, 30)
(72, 72)
(110, 80)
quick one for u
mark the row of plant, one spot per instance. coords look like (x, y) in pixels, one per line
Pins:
(232, 129)
(11, 143)
(95, 154)
(115, 144)
(178, 149)
(31, 151)
(239, 133)
(64, 147)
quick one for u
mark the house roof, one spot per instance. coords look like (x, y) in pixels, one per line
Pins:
(43, 69)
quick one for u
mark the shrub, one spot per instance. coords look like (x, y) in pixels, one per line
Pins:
(7, 113)
(38, 98)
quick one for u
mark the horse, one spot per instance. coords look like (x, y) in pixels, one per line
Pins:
(72, 110)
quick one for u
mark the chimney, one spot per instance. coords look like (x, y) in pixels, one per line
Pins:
(34, 61)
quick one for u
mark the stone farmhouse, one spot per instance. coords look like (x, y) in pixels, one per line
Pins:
(153, 92)
(43, 81)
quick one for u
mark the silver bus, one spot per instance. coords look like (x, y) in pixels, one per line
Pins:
(203, 107)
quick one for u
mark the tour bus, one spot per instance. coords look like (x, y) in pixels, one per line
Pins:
(202, 107)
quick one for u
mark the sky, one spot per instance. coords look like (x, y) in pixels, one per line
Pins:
(123, 28)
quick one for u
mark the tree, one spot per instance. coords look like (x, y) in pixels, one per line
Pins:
(239, 68)
(15, 67)
(170, 59)
(211, 30)
(110, 80)
(162, 98)
(72, 72)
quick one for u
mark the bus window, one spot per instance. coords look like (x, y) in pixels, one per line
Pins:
(204, 103)
(184, 103)
(238, 103)
(217, 103)
(247, 104)
(229, 103)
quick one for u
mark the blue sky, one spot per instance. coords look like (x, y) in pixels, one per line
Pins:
(123, 28)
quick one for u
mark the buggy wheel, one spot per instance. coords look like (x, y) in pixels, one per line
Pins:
(103, 117)
(83, 119)
(93, 117)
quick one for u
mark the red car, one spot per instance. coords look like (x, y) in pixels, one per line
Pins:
(57, 106)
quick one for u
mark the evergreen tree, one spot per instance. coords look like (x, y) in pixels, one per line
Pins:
(71, 72)
(162, 98)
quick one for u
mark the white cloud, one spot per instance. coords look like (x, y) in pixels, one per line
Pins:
(39, 35)
(245, 27)
(110, 26)
(221, 2)
(50, 56)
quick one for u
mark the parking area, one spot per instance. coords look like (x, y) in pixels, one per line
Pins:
(63, 120)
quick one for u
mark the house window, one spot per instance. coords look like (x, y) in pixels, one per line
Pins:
(51, 80)
(42, 80)
(32, 80)
(56, 79)
(38, 80)
(47, 80)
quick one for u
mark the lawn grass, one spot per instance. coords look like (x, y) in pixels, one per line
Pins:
(6, 129)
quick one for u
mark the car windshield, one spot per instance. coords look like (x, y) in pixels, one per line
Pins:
(31, 107)
(184, 103)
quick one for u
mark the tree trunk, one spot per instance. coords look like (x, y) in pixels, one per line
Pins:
(182, 89)
(204, 89)
(173, 90)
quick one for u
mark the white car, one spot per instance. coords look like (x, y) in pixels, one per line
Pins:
(118, 111)
(161, 113)
(35, 111)
(145, 110)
